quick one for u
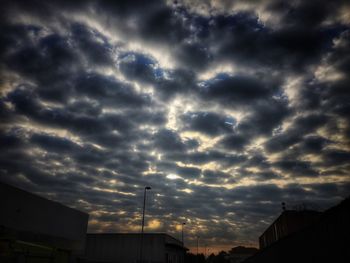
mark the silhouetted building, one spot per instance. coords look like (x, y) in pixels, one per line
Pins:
(240, 253)
(290, 221)
(33, 227)
(125, 248)
(325, 240)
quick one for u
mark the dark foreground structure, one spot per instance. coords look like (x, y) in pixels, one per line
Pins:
(34, 229)
(289, 222)
(325, 239)
(125, 248)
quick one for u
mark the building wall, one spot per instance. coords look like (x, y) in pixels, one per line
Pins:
(33, 217)
(125, 248)
(174, 250)
(326, 240)
(287, 223)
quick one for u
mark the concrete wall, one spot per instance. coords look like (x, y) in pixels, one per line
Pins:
(125, 248)
(35, 216)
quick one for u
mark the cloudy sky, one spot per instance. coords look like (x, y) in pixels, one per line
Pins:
(224, 108)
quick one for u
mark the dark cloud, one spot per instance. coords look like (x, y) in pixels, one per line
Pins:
(85, 107)
(168, 141)
(216, 177)
(313, 144)
(184, 172)
(236, 90)
(198, 158)
(93, 44)
(110, 91)
(208, 123)
(310, 14)
(296, 168)
(258, 160)
(194, 55)
(86, 110)
(177, 81)
(139, 67)
(302, 126)
(265, 117)
(53, 143)
(51, 59)
(336, 157)
(235, 142)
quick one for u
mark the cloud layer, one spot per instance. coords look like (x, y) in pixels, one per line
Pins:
(226, 110)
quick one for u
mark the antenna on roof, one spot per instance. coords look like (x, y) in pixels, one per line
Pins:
(283, 206)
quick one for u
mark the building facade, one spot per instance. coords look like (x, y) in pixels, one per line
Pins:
(35, 229)
(290, 221)
(126, 248)
(325, 240)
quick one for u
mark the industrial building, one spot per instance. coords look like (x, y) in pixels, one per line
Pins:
(327, 239)
(126, 248)
(35, 229)
(290, 221)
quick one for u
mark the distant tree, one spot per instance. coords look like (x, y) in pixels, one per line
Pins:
(243, 250)
(211, 258)
(222, 257)
(192, 258)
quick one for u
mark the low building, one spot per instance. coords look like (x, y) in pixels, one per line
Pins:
(290, 221)
(126, 248)
(33, 228)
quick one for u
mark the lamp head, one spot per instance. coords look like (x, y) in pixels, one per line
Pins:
(148, 188)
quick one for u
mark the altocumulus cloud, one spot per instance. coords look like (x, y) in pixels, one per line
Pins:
(224, 108)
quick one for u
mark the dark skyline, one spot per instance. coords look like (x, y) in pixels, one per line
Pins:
(225, 108)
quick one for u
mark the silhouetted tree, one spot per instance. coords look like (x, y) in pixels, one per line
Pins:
(222, 257)
(192, 258)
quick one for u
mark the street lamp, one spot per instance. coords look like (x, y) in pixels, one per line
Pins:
(143, 220)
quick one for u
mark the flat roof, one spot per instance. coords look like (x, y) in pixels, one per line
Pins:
(148, 233)
(145, 234)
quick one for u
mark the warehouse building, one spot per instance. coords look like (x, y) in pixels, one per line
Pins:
(327, 239)
(290, 221)
(126, 248)
(35, 229)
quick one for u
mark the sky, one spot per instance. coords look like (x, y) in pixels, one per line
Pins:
(224, 108)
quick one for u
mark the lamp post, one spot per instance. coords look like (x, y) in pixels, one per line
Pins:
(143, 220)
